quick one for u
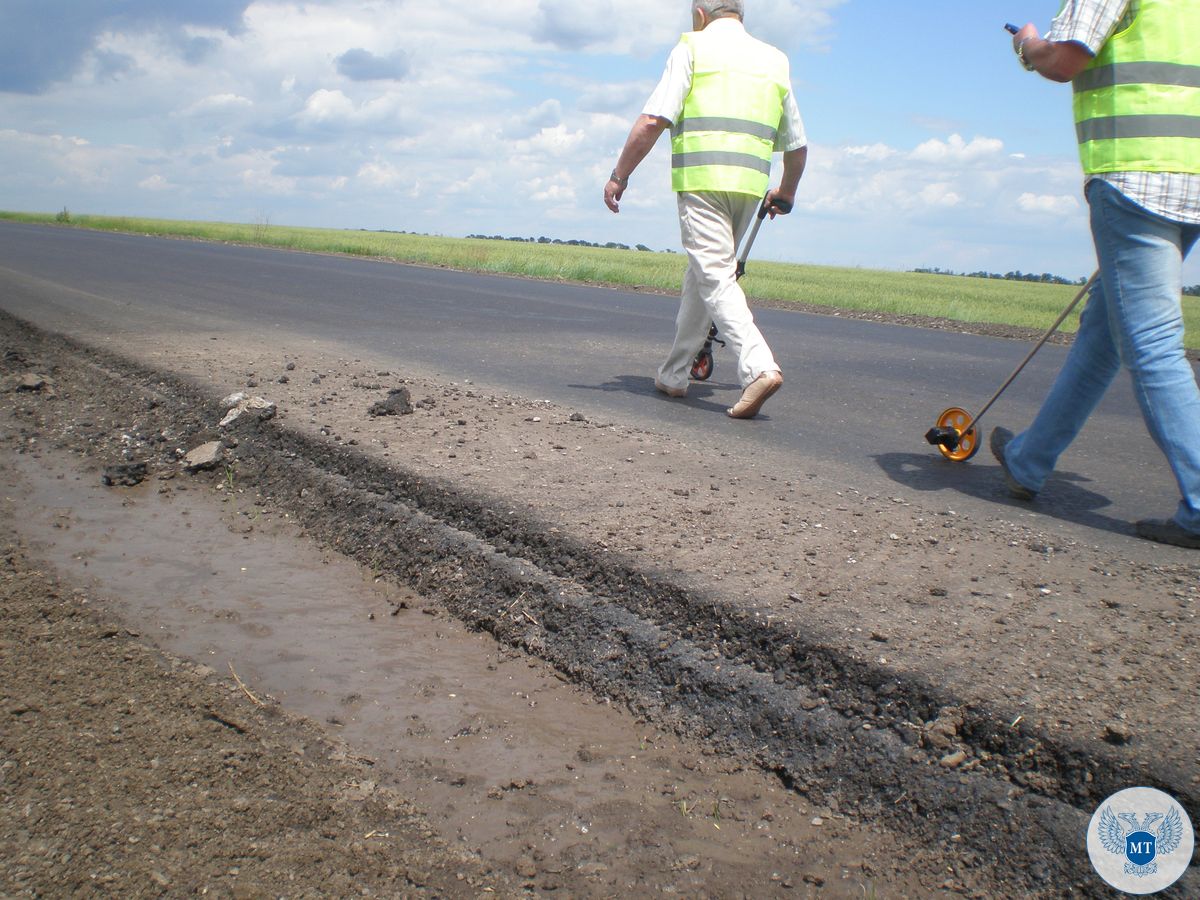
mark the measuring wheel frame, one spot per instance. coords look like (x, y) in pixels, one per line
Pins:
(967, 442)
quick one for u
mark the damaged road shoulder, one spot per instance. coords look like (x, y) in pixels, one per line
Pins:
(884, 745)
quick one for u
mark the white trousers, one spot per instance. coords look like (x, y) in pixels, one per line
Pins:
(711, 225)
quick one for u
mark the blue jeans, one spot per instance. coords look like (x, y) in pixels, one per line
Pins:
(1134, 317)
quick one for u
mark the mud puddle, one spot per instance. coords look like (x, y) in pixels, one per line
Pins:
(519, 766)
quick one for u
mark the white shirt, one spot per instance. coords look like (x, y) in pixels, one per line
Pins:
(1174, 195)
(676, 83)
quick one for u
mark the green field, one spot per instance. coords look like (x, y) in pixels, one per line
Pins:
(967, 300)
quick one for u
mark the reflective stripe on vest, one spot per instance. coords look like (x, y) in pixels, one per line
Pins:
(721, 158)
(726, 135)
(1137, 104)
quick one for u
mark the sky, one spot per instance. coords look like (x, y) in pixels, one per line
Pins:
(929, 145)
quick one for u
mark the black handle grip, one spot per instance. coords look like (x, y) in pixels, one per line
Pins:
(1011, 28)
(783, 206)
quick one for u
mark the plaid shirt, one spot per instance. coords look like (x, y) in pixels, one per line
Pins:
(1175, 195)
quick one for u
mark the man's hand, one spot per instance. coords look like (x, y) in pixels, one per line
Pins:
(1057, 60)
(794, 162)
(642, 136)
(612, 193)
(785, 200)
(1029, 32)
(1022, 41)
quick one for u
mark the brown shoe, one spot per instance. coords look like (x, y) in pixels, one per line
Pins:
(755, 395)
(999, 443)
(1166, 531)
(670, 391)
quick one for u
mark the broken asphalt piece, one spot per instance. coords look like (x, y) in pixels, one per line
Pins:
(1118, 733)
(239, 403)
(30, 381)
(124, 475)
(206, 456)
(397, 403)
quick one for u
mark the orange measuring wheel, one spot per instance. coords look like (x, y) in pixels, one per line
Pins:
(966, 442)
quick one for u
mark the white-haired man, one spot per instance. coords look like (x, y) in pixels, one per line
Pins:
(728, 101)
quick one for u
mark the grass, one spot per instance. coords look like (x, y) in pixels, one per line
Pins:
(967, 300)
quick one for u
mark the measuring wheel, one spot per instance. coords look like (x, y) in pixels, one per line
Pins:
(702, 365)
(956, 444)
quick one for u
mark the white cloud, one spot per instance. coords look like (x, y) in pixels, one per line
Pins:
(547, 114)
(955, 149)
(217, 104)
(871, 152)
(325, 106)
(557, 189)
(381, 174)
(793, 24)
(554, 142)
(620, 99)
(571, 25)
(939, 194)
(1055, 205)
(62, 161)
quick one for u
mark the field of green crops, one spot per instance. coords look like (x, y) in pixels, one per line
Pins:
(966, 300)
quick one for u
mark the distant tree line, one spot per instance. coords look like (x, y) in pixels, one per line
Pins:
(611, 245)
(1045, 278)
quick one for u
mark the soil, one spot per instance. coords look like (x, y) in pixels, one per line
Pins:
(891, 699)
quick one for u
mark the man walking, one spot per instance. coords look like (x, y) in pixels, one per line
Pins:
(727, 98)
(1135, 68)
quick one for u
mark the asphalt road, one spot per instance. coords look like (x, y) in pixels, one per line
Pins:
(857, 399)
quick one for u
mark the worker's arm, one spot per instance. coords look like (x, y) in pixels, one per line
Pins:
(1056, 60)
(794, 162)
(641, 140)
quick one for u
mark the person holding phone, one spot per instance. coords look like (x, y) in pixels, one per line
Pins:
(1134, 66)
(727, 98)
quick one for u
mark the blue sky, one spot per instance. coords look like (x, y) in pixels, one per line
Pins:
(929, 145)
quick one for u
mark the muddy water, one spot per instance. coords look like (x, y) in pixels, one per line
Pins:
(530, 772)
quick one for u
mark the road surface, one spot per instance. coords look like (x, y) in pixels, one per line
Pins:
(857, 401)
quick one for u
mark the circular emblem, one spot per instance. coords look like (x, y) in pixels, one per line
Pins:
(1140, 840)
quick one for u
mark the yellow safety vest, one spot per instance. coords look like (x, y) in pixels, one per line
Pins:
(1137, 104)
(724, 139)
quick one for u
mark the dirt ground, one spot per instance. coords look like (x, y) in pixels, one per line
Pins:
(129, 773)
(937, 687)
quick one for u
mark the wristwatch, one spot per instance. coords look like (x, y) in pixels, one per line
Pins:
(622, 182)
(1021, 55)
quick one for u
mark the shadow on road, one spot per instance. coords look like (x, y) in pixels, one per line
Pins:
(1063, 497)
(699, 396)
